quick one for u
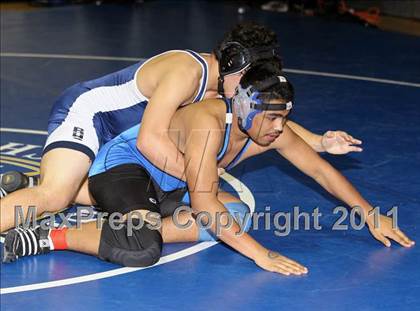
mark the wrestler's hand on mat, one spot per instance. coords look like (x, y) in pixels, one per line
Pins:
(339, 142)
(274, 262)
(383, 231)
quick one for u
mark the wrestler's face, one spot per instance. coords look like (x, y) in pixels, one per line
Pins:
(267, 126)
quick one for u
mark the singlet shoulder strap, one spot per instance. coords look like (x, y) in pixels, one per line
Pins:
(204, 77)
(239, 155)
(228, 127)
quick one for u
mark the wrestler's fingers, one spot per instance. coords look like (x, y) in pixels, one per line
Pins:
(295, 264)
(355, 141)
(381, 238)
(280, 270)
(345, 136)
(288, 268)
(291, 269)
(298, 267)
(299, 270)
(400, 240)
(354, 149)
(404, 237)
(342, 134)
(348, 137)
(329, 134)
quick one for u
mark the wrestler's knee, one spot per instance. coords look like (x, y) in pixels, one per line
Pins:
(54, 196)
(241, 212)
(139, 246)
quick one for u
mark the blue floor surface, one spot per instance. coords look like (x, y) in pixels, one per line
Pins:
(349, 270)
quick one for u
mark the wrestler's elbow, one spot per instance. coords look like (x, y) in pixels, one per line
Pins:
(143, 145)
(148, 142)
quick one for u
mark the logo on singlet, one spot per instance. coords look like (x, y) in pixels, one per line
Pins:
(78, 133)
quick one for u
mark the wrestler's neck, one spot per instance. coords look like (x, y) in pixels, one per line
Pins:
(213, 75)
(218, 107)
(236, 134)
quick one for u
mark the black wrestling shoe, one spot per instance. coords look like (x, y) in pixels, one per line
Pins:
(13, 180)
(21, 242)
(3, 192)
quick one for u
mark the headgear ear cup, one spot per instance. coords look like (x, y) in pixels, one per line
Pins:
(247, 102)
(233, 57)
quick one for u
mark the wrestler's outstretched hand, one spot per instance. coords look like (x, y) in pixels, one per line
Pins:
(384, 230)
(274, 262)
(339, 142)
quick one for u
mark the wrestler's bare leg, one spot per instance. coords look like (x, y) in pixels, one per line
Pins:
(62, 174)
(83, 196)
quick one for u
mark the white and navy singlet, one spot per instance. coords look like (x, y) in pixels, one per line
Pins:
(89, 114)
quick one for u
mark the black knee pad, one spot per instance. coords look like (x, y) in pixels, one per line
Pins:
(14, 180)
(143, 248)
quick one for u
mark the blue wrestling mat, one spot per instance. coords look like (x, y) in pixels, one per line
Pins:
(361, 80)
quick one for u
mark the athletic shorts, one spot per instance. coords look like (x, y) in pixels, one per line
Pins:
(129, 187)
(124, 189)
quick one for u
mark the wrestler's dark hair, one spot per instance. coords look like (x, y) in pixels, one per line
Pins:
(249, 35)
(261, 72)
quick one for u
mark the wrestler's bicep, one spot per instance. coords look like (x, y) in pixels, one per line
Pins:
(170, 93)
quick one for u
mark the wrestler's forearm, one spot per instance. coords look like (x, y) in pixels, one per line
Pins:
(162, 152)
(312, 139)
(232, 234)
(338, 185)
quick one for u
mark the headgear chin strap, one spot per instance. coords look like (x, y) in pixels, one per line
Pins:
(220, 88)
(247, 103)
(233, 57)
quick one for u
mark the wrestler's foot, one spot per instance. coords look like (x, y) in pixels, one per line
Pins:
(13, 180)
(21, 242)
